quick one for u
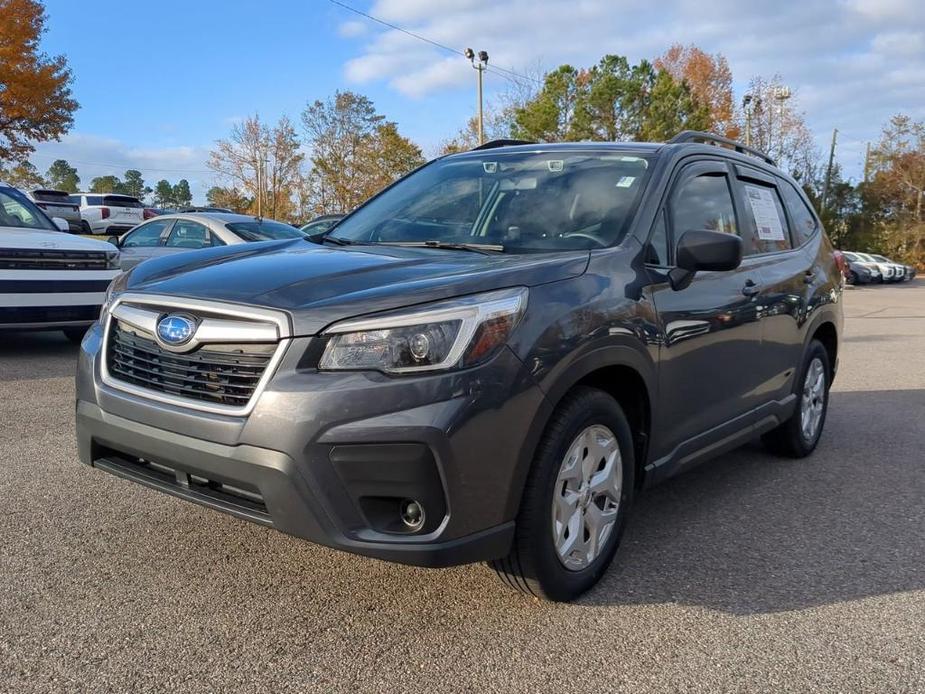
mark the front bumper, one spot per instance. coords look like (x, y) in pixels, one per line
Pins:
(329, 456)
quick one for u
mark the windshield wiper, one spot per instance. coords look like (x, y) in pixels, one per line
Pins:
(449, 245)
(324, 238)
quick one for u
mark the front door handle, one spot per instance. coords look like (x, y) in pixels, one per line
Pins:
(750, 288)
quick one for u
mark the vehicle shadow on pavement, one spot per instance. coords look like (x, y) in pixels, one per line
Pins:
(752, 533)
(32, 355)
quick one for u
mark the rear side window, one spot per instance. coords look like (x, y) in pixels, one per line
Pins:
(804, 221)
(94, 199)
(764, 212)
(147, 235)
(191, 235)
(121, 201)
(51, 196)
(703, 203)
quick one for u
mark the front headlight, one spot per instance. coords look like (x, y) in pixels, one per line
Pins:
(116, 287)
(444, 335)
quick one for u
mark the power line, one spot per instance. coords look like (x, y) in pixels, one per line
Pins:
(494, 69)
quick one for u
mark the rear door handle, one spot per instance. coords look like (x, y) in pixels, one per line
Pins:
(750, 288)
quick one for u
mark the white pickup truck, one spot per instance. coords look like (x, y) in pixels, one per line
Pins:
(49, 280)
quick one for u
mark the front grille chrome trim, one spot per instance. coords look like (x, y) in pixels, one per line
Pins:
(125, 307)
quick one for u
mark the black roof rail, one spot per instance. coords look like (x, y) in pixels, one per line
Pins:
(491, 144)
(710, 138)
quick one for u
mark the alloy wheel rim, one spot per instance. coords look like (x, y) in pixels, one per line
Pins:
(586, 498)
(813, 401)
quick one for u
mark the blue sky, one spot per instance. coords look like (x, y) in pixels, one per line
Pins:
(158, 83)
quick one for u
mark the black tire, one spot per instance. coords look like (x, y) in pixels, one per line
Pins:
(533, 565)
(85, 228)
(853, 278)
(75, 335)
(788, 439)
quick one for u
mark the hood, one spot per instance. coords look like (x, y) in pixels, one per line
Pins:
(17, 237)
(319, 285)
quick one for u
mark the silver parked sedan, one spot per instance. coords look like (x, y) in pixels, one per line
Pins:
(175, 233)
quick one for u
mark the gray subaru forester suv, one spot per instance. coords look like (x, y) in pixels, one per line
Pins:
(486, 361)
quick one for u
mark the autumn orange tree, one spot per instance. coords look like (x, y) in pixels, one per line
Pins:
(35, 93)
(710, 81)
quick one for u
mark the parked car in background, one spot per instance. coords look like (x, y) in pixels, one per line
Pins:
(860, 271)
(58, 203)
(175, 233)
(110, 213)
(486, 361)
(320, 225)
(49, 279)
(898, 271)
(205, 209)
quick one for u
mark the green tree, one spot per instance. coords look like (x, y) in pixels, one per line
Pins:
(23, 176)
(35, 93)
(163, 194)
(388, 155)
(339, 133)
(63, 176)
(182, 197)
(134, 185)
(612, 100)
(106, 184)
(229, 198)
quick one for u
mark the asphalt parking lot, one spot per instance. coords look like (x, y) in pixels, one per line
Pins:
(748, 574)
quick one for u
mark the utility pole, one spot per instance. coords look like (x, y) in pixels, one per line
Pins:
(259, 188)
(481, 65)
(828, 171)
(867, 163)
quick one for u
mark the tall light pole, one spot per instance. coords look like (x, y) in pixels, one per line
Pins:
(828, 171)
(480, 65)
(781, 94)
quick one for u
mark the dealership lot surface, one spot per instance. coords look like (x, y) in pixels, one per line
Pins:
(747, 574)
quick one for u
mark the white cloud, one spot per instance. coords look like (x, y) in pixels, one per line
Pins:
(852, 64)
(352, 29)
(94, 156)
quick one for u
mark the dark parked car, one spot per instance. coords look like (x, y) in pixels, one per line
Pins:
(486, 361)
(321, 224)
(861, 272)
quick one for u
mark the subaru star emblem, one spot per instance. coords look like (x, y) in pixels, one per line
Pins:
(175, 330)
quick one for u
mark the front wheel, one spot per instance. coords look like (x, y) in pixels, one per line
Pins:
(576, 500)
(799, 435)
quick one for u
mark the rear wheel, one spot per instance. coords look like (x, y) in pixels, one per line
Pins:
(575, 501)
(85, 227)
(799, 435)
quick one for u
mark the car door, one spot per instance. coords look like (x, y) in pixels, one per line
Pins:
(787, 278)
(143, 242)
(710, 331)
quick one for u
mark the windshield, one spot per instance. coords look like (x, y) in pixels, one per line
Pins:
(264, 230)
(16, 210)
(522, 201)
(880, 259)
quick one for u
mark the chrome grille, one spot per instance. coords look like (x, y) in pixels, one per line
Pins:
(222, 374)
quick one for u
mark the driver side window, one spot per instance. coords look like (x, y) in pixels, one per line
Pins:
(703, 203)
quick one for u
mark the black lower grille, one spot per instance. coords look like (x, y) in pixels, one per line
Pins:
(33, 259)
(217, 374)
(26, 315)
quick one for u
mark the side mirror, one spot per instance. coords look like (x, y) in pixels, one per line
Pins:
(61, 224)
(704, 250)
(114, 240)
